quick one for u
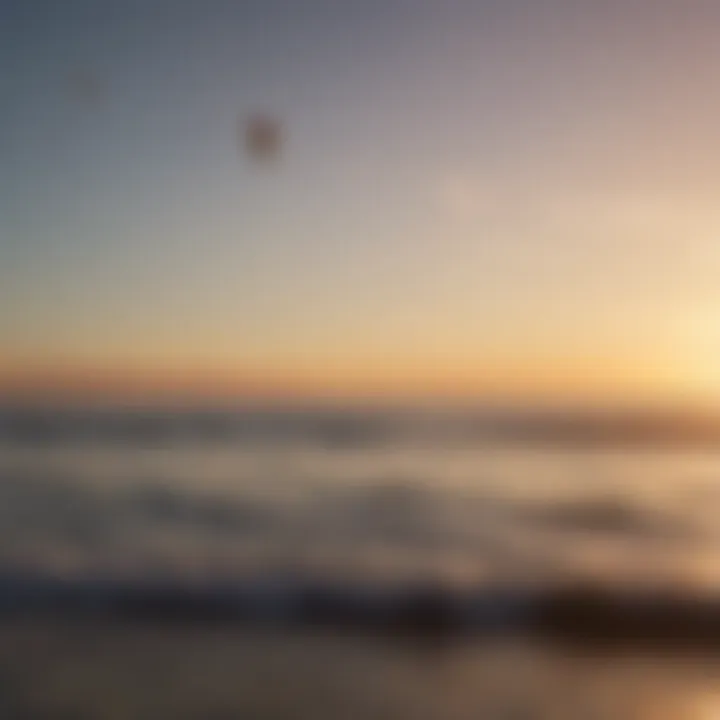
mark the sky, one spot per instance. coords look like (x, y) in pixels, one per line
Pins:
(473, 196)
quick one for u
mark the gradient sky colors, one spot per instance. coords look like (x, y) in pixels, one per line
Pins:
(521, 195)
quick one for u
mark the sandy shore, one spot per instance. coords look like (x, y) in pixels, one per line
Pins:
(115, 670)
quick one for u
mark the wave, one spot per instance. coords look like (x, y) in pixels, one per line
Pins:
(583, 616)
(150, 525)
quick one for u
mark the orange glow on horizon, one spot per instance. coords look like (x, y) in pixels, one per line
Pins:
(586, 380)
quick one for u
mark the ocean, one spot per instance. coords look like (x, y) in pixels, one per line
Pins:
(310, 549)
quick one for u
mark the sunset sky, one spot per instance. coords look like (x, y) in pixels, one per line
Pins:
(508, 196)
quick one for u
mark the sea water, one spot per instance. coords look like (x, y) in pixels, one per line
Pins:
(359, 499)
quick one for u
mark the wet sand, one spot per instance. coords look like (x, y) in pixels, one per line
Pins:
(102, 669)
